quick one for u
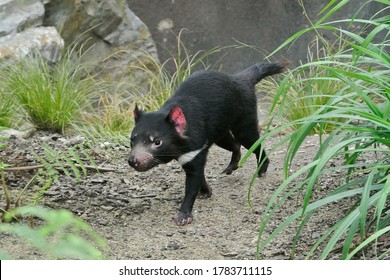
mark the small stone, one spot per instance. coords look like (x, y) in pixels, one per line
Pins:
(51, 193)
(172, 245)
(105, 145)
(98, 181)
(107, 208)
(315, 235)
(72, 141)
(102, 222)
(229, 254)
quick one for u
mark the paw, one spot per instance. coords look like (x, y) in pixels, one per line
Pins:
(263, 169)
(205, 194)
(229, 170)
(183, 219)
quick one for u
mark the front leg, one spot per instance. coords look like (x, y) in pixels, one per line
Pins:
(195, 184)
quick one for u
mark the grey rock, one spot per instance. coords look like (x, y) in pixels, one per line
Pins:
(16, 15)
(46, 40)
(21, 32)
(114, 37)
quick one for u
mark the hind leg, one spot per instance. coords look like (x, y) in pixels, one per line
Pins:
(247, 134)
(228, 142)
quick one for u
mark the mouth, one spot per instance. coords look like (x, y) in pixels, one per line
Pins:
(141, 168)
(138, 166)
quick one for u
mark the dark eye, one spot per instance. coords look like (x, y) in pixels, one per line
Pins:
(157, 142)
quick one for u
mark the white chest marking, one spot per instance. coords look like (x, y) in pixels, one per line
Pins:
(188, 157)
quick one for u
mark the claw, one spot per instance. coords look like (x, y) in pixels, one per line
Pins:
(183, 219)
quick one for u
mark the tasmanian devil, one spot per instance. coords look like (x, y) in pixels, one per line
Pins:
(208, 107)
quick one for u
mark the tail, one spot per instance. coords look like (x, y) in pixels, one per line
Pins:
(257, 72)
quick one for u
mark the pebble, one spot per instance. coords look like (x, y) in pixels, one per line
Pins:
(72, 141)
(105, 145)
(102, 222)
(51, 193)
(172, 245)
(229, 254)
(315, 235)
(98, 181)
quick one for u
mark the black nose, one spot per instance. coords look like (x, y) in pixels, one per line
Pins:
(133, 162)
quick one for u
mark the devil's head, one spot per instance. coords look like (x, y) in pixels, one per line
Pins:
(155, 137)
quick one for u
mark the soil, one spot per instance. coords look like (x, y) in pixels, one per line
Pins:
(133, 210)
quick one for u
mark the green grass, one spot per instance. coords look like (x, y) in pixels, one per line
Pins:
(111, 117)
(52, 97)
(7, 109)
(359, 114)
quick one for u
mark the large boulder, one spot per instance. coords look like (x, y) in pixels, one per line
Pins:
(114, 37)
(46, 40)
(21, 32)
(16, 15)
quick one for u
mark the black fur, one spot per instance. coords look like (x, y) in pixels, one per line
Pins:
(209, 107)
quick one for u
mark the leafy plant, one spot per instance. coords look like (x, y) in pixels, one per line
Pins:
(73, 162)
(60, 235)
(359, 112)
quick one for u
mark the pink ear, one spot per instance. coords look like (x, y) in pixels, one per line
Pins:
(177, 117)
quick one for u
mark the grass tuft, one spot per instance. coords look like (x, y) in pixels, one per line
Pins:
(51, 96)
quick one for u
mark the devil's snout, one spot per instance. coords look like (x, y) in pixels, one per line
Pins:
(133, 161)
(141, 162)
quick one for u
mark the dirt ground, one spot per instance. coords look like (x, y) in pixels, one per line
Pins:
(133, 211)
